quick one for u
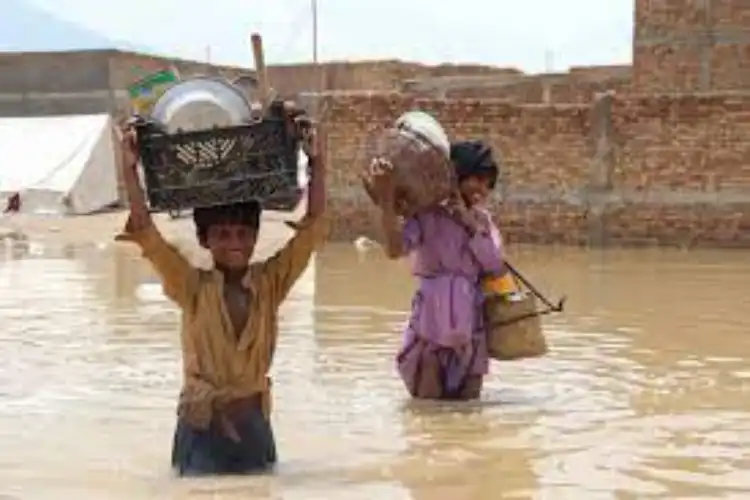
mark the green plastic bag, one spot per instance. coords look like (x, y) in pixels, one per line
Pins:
(145, 92)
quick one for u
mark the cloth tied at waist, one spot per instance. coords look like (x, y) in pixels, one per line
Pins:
(201, 401)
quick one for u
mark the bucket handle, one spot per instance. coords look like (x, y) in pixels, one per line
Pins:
(550, 307)
(558, 307)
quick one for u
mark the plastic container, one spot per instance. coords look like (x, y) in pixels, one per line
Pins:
(199, 168)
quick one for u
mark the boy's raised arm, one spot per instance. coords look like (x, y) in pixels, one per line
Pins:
(177, 275)
(288, 264)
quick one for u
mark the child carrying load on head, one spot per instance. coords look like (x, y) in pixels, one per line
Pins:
(229, 320)
(456, 249)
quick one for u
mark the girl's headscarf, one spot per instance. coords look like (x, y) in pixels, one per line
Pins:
(472, 158)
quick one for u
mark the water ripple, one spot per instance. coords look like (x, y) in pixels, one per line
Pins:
(644, 394)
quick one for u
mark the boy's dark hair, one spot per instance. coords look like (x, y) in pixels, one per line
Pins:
(474, 158)
(245, 214)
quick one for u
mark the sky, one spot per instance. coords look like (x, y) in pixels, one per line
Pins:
(532, 35)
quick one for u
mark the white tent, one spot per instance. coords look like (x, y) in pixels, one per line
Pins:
(58, 164)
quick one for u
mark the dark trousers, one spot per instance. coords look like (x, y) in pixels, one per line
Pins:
(210, 452)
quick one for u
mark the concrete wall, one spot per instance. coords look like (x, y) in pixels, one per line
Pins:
(54, 84)
(39, 84)
(631, 171)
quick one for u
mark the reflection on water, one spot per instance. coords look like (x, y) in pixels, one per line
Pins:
(643, 396)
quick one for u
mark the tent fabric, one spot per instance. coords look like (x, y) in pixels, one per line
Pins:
(59, 164)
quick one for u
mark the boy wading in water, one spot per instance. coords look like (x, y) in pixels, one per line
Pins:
(229, 320)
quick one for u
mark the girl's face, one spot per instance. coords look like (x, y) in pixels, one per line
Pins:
(475, 189)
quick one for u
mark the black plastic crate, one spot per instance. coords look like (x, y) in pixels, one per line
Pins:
(190, 169)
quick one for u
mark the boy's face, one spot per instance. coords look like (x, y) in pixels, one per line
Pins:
(231, 245)
(475, 189)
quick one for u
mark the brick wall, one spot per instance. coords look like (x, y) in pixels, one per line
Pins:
(291, 79)
(682, 170)
(635, 170)
(544, 148)
(685, 45)
(557, 89)
(579, 85)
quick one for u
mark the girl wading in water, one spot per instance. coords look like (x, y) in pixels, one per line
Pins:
(444, 353)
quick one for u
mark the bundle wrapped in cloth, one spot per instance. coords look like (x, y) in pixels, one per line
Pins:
(419, 150)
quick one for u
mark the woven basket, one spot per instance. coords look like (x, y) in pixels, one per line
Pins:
(514, 327)
(423, 175)
(200, 168)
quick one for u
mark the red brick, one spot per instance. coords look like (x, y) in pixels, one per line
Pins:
(673, 144)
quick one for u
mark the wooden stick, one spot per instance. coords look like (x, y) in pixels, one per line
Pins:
(261, 75)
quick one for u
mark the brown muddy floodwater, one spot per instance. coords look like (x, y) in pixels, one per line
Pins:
(645, 394)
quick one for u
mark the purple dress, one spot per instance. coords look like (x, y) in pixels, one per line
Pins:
(446, 318)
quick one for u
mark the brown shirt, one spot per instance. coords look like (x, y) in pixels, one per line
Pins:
(219, 364)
